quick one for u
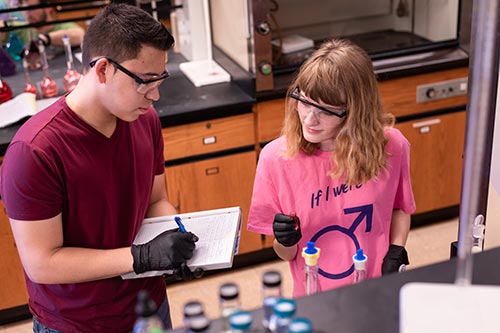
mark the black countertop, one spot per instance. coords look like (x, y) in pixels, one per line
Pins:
(180, 101)
(373, 305)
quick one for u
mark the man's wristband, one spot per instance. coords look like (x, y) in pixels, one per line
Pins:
(45, 38)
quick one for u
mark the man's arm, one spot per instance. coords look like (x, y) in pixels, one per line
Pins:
(46, 260)
(159, 204)
(55, 37)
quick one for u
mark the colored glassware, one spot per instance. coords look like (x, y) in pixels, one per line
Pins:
(48, 85)
(72, 76)
(28, 86)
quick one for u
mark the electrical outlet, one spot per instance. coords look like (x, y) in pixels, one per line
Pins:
(440, 90)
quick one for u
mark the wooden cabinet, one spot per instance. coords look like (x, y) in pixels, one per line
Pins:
(201, 183)
(436, 159)
(13, 288)
(269, 119)
(208, 136)
(436, 141)
(216, 183)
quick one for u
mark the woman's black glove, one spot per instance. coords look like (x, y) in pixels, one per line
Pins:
(395, 257)
(286, 229)
(167, 250)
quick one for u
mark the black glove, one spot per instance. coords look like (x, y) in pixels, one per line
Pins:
(167, 250)
(286, 229)
(183, 272)
(395, 257)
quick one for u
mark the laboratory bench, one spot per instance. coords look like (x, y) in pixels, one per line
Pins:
(213, 136)
(373, 305)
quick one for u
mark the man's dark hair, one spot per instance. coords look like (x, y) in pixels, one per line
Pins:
(119, 31)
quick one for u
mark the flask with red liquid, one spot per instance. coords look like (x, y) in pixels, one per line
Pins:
(72, 76)
(5, 91)
(28, 86)
(48, 85)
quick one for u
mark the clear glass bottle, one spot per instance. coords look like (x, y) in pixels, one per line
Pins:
(198, 324)
(284, 310)
(32, 54)
(240, 321)
(48, 85)
(147, 319)
(271, 292)
(359, 260)
(229, 303)
(192, 309)
(300, 325)
(311, 256)
(72, 76)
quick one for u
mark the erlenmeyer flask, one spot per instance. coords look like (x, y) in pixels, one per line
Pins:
(48, 86)
(28, 86)
(5, 91)
(72, 76)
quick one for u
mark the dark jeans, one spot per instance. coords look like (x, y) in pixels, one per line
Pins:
(163, 313)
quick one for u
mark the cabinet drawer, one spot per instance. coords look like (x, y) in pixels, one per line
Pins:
(13, 287)
(270, 116)
(399, 96)
(209, 136)
(216, 183)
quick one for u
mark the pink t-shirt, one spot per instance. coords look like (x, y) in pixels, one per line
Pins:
(337, 217)
(57, 163)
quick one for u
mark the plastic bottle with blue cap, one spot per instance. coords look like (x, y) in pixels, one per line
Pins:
(300, 325)
(310, 253)
(284, 310)
(240, 321)
(359, 260)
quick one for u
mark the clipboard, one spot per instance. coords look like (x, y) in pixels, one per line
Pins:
(218, 231)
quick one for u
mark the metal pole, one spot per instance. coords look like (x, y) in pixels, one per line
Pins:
(483, 85)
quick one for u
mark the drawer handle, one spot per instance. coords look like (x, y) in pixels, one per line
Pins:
(424, 127)
(426, 123)
(209, 140)
(212, 171)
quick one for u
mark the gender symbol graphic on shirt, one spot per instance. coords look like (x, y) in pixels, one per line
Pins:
(364, 212)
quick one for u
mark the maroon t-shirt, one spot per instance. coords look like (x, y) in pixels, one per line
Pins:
(57, 163)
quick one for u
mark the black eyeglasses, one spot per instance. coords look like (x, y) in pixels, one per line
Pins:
(144, 86)
(338, 112)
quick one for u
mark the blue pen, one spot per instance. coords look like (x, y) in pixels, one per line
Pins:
(179, 223)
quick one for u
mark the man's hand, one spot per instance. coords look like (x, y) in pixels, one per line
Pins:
(184, 273)
(286, 229)
(395, 257)
(169, 249)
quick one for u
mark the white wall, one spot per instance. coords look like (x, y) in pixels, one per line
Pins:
(492, 232)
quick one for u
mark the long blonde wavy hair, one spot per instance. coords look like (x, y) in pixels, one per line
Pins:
(341, 73)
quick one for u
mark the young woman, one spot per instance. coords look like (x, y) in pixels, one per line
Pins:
(338, 175)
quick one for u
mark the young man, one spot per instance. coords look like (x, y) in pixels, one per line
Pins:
(80, 176)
